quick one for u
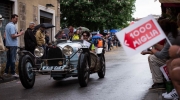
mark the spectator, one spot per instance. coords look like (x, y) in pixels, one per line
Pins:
(4, 38)
(47, 37)
(173, 65)
(70, 36)
(40, 38)
(61, 35)
(76, 35)
(66, 31)
(71, 29)
(30, 39)
(64, 36)
(58, 35)
(159, 58)
(109, 43)
(174, 71)
(106, 42)
(1, 38)
(159, 46)
(11, 44)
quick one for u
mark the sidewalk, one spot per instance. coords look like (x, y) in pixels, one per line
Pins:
(154, 95)
(7, 79)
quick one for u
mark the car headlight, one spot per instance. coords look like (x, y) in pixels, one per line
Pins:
(67, 50)
(39, 51)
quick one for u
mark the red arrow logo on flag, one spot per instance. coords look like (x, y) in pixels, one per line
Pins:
(128, 41)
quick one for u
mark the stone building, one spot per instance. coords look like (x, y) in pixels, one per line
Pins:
(38, 11)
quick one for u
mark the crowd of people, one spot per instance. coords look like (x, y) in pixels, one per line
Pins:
(34, 37)
(164, 53)
(76, 34)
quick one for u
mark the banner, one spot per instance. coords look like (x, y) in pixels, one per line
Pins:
(164, 70)
(140, 35)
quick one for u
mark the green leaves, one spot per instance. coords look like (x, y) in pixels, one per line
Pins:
(96, 14)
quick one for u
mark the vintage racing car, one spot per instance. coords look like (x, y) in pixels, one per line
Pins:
(63, 59)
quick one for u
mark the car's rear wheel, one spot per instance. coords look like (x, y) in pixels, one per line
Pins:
(26, 75)
(83, 70)
(102, 71)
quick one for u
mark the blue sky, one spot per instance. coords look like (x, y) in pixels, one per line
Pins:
(146, 7)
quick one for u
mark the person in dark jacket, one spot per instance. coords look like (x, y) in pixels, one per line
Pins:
(47, 37)
(29, 38)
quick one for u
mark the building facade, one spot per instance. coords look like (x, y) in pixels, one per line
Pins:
(38, 11)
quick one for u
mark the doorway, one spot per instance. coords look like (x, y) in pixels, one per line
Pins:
(46, 17)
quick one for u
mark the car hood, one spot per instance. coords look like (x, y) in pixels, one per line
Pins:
(75, 45)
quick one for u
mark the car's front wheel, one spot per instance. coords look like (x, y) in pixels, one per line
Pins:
(83, 70)
(26, 75)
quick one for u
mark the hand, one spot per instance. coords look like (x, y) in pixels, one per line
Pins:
(21, 32)
(153, 50)
(173, 51)
(143, 53)
(146, 52)
(158, 47)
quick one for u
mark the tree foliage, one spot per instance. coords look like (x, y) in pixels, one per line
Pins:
(97, 14)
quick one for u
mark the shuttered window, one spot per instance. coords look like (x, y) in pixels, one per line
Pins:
(6, 12)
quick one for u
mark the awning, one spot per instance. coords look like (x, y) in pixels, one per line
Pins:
(169, 1)
(171, 4)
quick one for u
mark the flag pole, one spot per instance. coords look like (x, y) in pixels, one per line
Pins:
(168, 41)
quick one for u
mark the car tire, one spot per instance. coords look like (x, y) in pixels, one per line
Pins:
(102, 71)
(83, 70)
(26, 75)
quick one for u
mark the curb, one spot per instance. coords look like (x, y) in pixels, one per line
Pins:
(7, 79)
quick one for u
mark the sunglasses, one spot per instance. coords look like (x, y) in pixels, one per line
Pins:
(85, 35)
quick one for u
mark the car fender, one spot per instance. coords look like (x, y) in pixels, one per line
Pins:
(25, 52)
(85, 49)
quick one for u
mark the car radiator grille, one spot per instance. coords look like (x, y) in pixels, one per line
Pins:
(54, 53)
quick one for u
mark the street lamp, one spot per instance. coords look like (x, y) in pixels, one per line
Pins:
(65, 18)
(65, 21)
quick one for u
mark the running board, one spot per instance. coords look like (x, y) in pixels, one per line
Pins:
(64, 70)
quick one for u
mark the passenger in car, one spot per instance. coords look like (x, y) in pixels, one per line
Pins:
(86, 36)
(93, 56)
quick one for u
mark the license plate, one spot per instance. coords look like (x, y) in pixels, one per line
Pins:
(51, 67)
